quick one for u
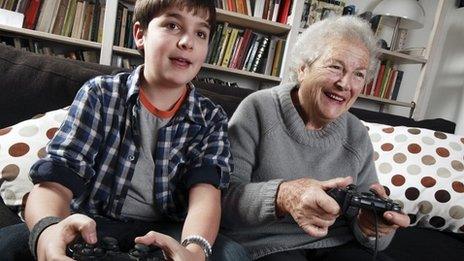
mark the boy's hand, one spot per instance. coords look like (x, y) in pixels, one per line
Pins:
(53, 241)
(388, 224)
(172, 249)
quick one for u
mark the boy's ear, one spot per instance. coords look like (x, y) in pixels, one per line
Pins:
(138, 35)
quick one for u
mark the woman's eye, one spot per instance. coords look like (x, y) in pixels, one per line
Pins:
(336, 67)
(360, 75)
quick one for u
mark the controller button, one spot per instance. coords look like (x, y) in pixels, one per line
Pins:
(142, 248)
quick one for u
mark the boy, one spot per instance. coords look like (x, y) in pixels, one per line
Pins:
(140, 150)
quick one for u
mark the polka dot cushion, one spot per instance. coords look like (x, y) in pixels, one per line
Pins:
(423, 170)
(21, 145)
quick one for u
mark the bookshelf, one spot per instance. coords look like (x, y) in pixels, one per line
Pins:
(287, 31)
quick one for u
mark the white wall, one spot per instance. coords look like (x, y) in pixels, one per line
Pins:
(446, 98)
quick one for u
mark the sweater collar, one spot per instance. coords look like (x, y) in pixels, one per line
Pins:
(331, 134)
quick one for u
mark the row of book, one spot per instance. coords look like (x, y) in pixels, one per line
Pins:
(244, 49)
(386, 83)
(273, 10)
(316, 10)
(123, 27)
(125, 62)
(36, 47)
(82, 19)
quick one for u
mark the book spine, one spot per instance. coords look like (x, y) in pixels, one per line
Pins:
(225, 36)
(230, 47)
(31, 15)
(259, 55)
(254, 50)
(396, 89)
(214, 43)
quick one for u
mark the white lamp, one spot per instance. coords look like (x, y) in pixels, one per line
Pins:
(404, 14)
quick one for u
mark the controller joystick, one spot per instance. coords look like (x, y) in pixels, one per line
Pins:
(108, 249)
(350, 201)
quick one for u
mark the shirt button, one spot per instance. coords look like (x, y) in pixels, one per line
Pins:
(131, 157)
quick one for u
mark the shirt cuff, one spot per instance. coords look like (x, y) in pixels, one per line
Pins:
(205, 174)
(50, 172)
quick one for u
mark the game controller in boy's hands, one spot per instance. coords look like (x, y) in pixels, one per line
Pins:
(351, 201)
(108, 249)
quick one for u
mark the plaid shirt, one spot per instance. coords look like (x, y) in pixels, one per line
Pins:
(95, 151)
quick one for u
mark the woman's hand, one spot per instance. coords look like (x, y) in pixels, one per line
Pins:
(172, 249)
(308, 203)
(388, 224)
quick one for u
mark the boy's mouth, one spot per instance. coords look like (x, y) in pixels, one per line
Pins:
(179, 61)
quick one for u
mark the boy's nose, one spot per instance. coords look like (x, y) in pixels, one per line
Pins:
(186, 42)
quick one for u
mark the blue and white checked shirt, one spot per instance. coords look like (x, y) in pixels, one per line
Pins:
(95, 151)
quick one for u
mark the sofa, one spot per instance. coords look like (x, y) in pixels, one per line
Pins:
(35, 88)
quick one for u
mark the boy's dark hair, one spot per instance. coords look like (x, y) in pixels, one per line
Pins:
(146, 10)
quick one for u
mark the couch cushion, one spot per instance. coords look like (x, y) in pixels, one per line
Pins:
(32, 84)
(423, 170)
(21, 146)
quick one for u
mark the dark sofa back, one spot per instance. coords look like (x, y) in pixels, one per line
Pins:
(31, 84)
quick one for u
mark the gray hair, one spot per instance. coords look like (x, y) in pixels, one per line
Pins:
(316, 37)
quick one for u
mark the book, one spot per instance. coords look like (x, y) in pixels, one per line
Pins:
(258, 60)
(236, 51)
(22, 6)
(31, 14)
(370, 87)
(254, 50)
(390, 83)
(270, 55)
(46, 14)
(122, 33)
(230, 44)
(95, 21)
(378, 82)
(100, 23)
(60, 16)
(275, 12)
(87, 21)
(213, 44)
(78, 19)
(117, 25)
(258, 9)
(265, 9)
(69, 18)
(276, 65)
(54, 15)
(242, 49)
(385, 78)
(223, 44)
(284, 10)
(396, 88)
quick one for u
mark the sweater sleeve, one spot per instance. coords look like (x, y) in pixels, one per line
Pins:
(366, 177)
(247, 203)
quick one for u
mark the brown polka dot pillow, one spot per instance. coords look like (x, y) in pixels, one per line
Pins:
(21, 145)
(423, 170)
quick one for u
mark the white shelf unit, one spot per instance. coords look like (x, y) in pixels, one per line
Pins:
(289, 31)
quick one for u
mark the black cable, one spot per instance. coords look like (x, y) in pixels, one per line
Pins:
(374, 256)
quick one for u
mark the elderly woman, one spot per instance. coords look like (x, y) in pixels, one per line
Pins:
(294, 142)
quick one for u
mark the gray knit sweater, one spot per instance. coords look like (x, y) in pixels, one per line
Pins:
(270, 144)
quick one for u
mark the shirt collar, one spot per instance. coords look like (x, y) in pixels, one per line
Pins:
(192, 107)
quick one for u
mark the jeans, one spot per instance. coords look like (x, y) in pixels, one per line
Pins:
(14, 239)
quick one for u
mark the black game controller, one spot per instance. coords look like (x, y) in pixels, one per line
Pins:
(107, 249)
(351, 201)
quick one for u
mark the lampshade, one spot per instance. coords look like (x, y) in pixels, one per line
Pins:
(411, 13)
